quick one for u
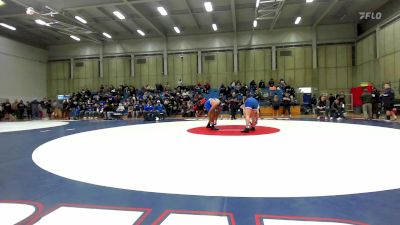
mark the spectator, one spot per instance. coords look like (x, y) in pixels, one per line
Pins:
(180, 83)
(282, 84)
(342, 98)
(271, 82)
(253, 85)
(275, 105)
(366, 99)
(7, 108)
(387, 97)
(120, 108)
(233, 103)
(28, 110)
(35, 109)
(108, 110)
(331, 99)
(1, 111)
(261, 84)
(337, 111)
(20, 110)
(375, 103)
(286, 103)
(322, 108)
(160, 109)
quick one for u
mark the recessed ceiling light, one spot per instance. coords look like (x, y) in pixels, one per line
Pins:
(7, 26)
(2, 3)
(298, 19)
(107, 35)
(162, 11)
(119, 15)
(75, 38)
(214, 26)
(309, 1)
(41, 22)
(257, 3)
(81, 19)
(177, 30)
(141, 32)
(255, 23)
(208, 6)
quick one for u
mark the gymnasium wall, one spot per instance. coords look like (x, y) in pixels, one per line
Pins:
(335, 68)
(378, 57)
(254, 59)
(22, 71)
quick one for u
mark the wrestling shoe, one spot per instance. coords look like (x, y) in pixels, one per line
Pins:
(213, 128)
(245, 130)
(253, 128)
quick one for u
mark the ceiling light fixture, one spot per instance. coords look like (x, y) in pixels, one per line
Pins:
(309, 1)
(7, 26)
(162, 11)
(298, 19)
(75, 38)
(208, 6)
(119, 15)
(41, 22)
(177, 30)
(141, 32)
(214, 26)
(257, 3)
(255, 23)
(30, 11)
(80, 19)
(107, 35)
(2, 3)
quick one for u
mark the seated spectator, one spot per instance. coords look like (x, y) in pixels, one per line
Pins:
(108, 111)
(282, 84)
(148, 112)
(286, 103)
(322, 108)
(331, 99)
(261, 84)
(253, 85)
(271, 82)
(341, 97)
(120, 108)
(160, 109)
(337, 111)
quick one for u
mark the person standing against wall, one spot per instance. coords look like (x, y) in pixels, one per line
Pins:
(375, 103)
(366, 98)
(387, 98)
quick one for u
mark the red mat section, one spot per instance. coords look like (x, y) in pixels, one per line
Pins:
(232, 130)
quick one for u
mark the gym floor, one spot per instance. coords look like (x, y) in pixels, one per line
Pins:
(175, 172)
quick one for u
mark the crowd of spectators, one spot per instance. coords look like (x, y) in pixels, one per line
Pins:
(111, 102)
(160, 101)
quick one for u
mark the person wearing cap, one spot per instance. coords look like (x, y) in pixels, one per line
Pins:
(212, 106)
(160, 109)
(251, 114)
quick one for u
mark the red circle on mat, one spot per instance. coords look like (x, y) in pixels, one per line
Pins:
(232, 130)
